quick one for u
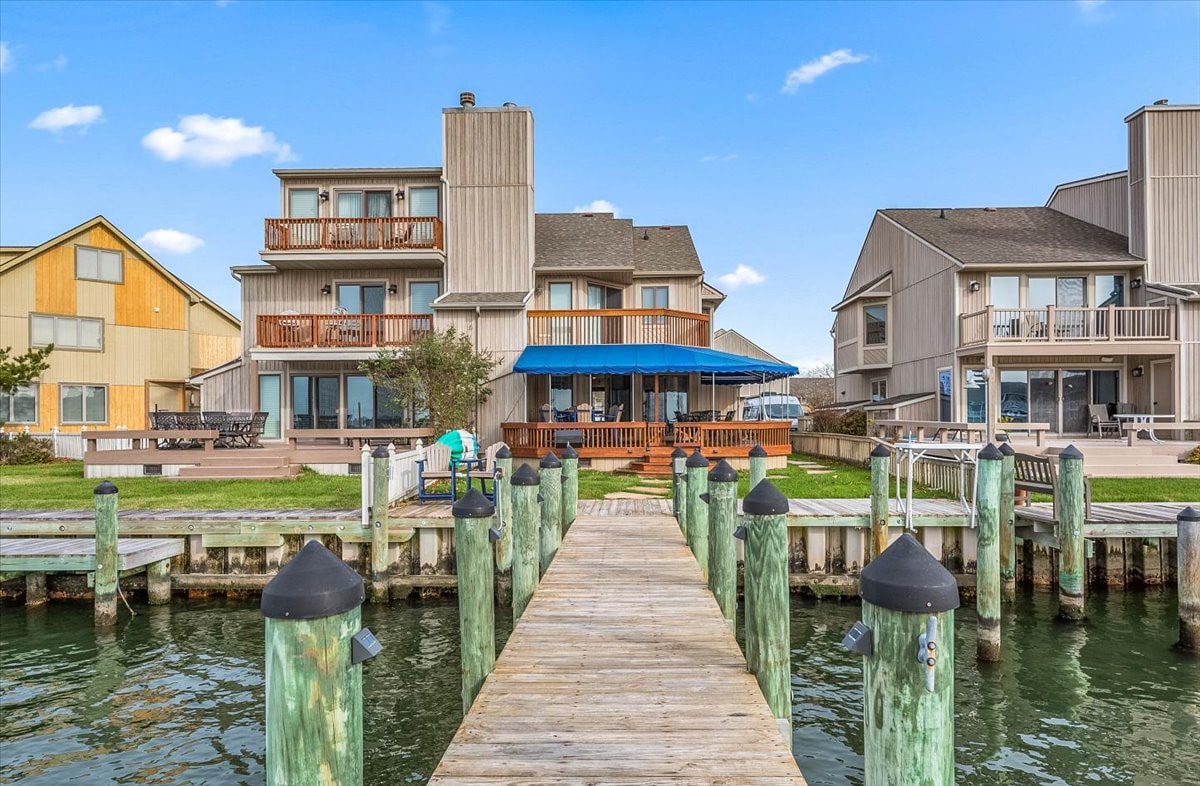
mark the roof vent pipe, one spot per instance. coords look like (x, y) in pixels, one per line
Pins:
(1161, 102)
(466, 99)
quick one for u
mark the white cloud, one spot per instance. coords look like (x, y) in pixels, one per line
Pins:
(437, 16)
(812, 70)
(214, 141)
(599, 206)
(6, 58)
(57, 64)
(170, 240)
(55, 120)
(713, 158)
(742, 276)
(1093, 10)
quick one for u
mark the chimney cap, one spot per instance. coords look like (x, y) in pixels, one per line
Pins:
(466, 99)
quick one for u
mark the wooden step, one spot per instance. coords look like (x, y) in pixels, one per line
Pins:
(229, 472)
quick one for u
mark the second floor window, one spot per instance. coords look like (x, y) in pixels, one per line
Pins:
(656, 297)
(364, 204)
(875, 325)
(361, 298)
(66, 332)
(303, 203)
(99, 264)
(421, 295)
(423, 202)
(878, 389)
(560, 295)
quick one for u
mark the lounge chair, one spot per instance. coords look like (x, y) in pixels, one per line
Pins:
(1101, 421)
(436, 466)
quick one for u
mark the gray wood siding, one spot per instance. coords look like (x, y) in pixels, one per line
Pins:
(333, 182)
(228, 391)
(684, 293)
(1137, 186)
(886, 244)
(1173, 195)
(1104, 203)
(737, 344)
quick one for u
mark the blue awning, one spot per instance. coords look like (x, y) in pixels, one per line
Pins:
(723, 367)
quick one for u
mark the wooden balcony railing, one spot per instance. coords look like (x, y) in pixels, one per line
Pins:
(303, 331)
(618, 326)
(348, 234)
(719, 437)
(1051, 324)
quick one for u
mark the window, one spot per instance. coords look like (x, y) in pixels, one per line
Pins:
(1110, 290)
(423, 202)
(66, 332)
(976, 394)
(303, 203)
(878, 389)
(945, 383)
(83, 404)
(421, 295)
(1005, 291)
(20, 406)
(364, 204)
(361, 298)
(562, 394)
(560, 295)
(599, 296)
(315, 401)
(98, 264)
(875, 325)
(656, 297)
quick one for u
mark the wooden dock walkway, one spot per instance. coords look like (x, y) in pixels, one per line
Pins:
(78, 555)
(621, 671)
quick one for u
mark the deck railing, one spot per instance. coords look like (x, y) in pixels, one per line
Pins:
(726, 434)
(594, 439)
(618, 326)
(338, 234)
(303, 331)
(1051, 324)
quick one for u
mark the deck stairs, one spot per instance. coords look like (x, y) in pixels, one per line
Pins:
(249, 463)
(656, 463)
(1115, 459)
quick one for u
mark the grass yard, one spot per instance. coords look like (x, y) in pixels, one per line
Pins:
(1145, 490)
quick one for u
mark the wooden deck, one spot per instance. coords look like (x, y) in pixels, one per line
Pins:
(78, 555)
(1114, 519)
(621, 671)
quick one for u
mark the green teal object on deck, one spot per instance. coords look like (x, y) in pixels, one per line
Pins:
(462, 444)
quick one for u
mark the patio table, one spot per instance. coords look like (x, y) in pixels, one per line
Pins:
(1145, 419)
(908, 453)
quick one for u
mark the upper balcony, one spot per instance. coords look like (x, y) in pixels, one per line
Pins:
(1053, 327)
(389, 238)
(284, 334)
(618, 326)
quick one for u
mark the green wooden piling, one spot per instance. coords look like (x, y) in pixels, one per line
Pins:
(158, 582)
(758, 465)
(570, 486)
(313, 687)
(105, 496)
(35, 589)
(527, 519)
(551, 493)
(758, 473)
(678, 493)
(987, 565)
(473, 516)
(697, 510)
(766, 510)
(1187, 559)
(1069, 508)
(504, 504)
(908, 690)
(1008, 522)
(379, 525)
(722, 553)
(880, 458)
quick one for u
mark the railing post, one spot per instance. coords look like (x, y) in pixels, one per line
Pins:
(1187, 558)
(987, 564)
(1008, 535)
(570, 486)
(906, 639)
(476, 603)
(107, 570)
(697, 509)
(314, 651)
(758, 465)
(767, 561)
(678, 489)
(527, 517)
(502, 486)
(880, 459)
(551, 497)
(1069, 508)
(379, 525)
(722, 553)
(1050, 320)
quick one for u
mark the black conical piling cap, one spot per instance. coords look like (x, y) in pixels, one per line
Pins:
(550, 461)
(473, 505)
(313, 584)
(379, 452)
(990, 453)
(764, 500)
(525, 476)
(678, 453)
(696, 460)
(722, 473)
(105, 487)
(881, 451)
(1007, 449)
(570, 453)
(757, 451)
(906, 577)
(504, 452)
(1071, 452)
(1188, 514)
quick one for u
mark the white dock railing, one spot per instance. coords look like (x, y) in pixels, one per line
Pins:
(70, 446)
(402, 476)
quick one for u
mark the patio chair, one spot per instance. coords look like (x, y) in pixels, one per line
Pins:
(729, 416)
(485, 469)
(258, 424)
(433, 467)
(1100, 420)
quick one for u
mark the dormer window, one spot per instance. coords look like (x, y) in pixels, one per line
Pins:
(875, 325)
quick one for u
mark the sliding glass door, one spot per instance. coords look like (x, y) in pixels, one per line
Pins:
(315, 402)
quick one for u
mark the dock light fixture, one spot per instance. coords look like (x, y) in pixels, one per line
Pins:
(327, 289)
(975, 286)
(324, 195)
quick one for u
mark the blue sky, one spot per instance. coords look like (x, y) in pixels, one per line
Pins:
(774, 131)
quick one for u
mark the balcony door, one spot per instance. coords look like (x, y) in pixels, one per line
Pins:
(560, 300)
(361, 298)
(363, 204)
(603, 330)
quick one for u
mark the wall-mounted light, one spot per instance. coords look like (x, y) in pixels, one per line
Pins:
(324, 196)
(400, 194)
(1136, 283)
(391, 289)
(325, 290)
(1138, 371)
(974, 286)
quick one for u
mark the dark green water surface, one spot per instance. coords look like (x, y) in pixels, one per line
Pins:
(174, 696)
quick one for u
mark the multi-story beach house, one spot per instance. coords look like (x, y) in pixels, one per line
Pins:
(127, 333)
(1092, 298)
(602, 328)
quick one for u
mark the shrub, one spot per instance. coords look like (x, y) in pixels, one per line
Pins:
(828, 421)
(25, 448)
(1194, 456)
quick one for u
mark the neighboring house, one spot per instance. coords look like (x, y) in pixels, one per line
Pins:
(1093, 298)
(127, 333)
(363, 259)
(733, 342)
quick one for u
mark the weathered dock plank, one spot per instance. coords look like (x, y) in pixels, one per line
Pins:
(71, 555)
(621, 670)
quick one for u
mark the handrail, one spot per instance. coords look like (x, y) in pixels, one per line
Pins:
(301, 331)
(1054, 324)
(382, 233)
(558, 327)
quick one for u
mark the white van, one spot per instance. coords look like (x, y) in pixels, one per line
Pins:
(772, 406)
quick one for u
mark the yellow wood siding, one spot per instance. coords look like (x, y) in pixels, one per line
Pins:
(55, 276)
(148, 299)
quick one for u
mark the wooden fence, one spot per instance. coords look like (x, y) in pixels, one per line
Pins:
(402, 477)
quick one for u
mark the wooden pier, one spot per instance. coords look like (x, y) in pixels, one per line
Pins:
(621, 671)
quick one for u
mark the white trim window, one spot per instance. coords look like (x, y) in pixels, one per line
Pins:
(879, 389)
(66, 332)
(21, 406)
(99, 264)
(83, 403)
(875, 318)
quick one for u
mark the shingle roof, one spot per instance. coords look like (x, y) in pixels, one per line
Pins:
(1013, 235)
(601, 241)
(665, 249)
(468, 299)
